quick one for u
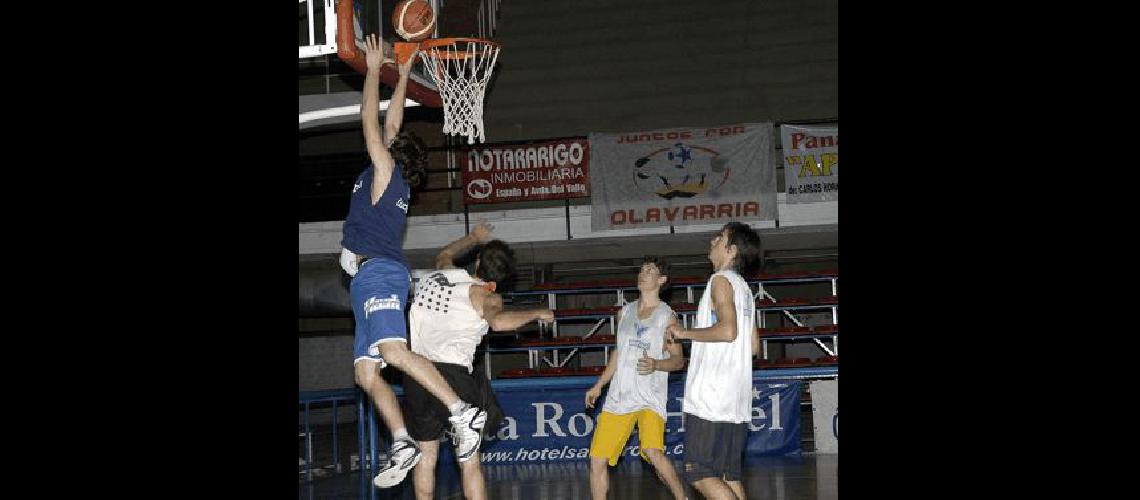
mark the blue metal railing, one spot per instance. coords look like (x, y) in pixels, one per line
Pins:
(368, 443)
(307, 399)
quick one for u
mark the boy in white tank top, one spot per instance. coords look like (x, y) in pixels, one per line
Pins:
(718, 385)
(639, 384)
(448, 317)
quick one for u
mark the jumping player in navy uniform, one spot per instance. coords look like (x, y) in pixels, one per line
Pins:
(372, 254)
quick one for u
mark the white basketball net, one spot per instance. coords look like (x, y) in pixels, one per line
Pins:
(461, 70)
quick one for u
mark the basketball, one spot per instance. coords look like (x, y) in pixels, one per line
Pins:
(413, 19)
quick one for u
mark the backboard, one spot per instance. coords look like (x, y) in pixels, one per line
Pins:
(339, 27)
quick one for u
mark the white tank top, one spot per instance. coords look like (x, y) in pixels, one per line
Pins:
(718, 386)
(630, 392)
(444, 327)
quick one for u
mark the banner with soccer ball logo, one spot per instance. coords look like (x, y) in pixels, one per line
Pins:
(683, 176)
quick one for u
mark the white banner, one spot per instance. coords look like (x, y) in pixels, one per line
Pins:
(683, 176)
(811, 162)
(825, 415)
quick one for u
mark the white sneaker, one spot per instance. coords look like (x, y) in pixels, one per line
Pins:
(467, 432)
(402, 457)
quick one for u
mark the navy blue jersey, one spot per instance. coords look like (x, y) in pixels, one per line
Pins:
(377, 231)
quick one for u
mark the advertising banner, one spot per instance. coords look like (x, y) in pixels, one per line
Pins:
(683, 176)
(550, 170)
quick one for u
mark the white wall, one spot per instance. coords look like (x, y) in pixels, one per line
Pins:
(542, 224)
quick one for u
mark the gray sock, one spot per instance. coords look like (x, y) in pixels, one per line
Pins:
(457, 407)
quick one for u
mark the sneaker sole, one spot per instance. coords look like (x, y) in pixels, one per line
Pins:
(393, 476)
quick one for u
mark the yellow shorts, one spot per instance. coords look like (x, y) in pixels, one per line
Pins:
(613, 431)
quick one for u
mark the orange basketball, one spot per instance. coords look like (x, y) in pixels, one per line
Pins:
(413, 19)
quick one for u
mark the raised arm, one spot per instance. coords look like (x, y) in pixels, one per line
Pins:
(481, 233)
(394, 118)
(725, 328)
(370, 117)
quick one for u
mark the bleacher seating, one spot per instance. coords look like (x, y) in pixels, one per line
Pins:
(619, 286)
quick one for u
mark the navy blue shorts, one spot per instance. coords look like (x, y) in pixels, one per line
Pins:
(379, 298)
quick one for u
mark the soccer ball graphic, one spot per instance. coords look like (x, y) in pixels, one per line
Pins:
(678, 171)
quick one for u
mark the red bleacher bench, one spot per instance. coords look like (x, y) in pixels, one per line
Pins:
(590, 370)
(777, 276)
(683, 307)
(517, 373)
(555, 372)
(826, 329)
(791, 363)
(578, 285)
(585, 312)
(689, 280)
(787, 330)
(827, 360)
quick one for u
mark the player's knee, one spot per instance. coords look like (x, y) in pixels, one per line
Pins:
(427, 461)
(472, 466)
(598, 464)
(395, 353)
(365, 373)
(652, 453)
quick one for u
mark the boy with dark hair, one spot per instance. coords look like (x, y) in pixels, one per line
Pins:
(373, 255)
(451, 312)
(718, 385)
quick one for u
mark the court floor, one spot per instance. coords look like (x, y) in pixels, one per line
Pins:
(805, 477)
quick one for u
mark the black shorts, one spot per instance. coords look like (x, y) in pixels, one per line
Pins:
(426, 417)
(713, 449)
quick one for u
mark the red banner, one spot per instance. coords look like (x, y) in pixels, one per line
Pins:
(551, 170)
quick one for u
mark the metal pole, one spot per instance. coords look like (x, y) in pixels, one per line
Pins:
(308, 447)
(435, 10)
(568, 220)
(336, 449)
(360, 439)
(372, 454)
(309, 9)
(330, 24)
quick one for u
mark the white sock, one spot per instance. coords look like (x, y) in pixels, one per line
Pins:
(457, 407)
(401, 434)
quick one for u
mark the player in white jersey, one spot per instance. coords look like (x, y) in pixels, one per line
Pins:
(639, 384)
(718, 385)
(449, 316)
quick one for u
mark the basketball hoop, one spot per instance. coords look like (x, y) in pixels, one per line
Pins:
(461, 68)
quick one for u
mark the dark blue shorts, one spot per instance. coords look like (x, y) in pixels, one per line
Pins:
(379, 298)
